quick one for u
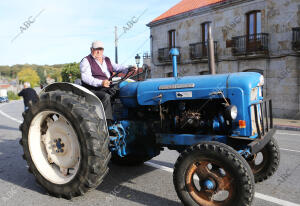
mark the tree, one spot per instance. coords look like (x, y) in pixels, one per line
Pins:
(29, 75)
(41, 73)
(70, 72)
(56, 75)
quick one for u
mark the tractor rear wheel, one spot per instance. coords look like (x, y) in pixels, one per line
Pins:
(65, 144)
(265, 163)
(213, 174)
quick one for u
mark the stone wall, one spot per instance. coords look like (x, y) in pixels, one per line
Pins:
(281, 67)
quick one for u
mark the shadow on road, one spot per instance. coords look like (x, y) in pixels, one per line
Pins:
(14, 170)
(112, 185)
(8, 128)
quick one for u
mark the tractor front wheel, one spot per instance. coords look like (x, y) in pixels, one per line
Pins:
(213, 174)
(265, 163)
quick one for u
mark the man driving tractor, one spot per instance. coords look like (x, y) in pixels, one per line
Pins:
(96, 70)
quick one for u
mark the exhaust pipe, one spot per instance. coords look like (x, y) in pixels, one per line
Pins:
(174, 53)
(211, 52)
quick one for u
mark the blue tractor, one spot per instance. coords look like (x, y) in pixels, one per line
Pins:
(220, 124)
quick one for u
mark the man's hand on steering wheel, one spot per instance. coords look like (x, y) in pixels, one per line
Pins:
(130, 72)
(106, 83)
(133, 68)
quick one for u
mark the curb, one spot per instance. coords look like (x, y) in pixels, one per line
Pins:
(286, 127)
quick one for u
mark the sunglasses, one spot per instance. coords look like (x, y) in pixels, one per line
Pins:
(98, 49)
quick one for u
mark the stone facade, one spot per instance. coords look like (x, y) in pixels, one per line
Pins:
(280, 64)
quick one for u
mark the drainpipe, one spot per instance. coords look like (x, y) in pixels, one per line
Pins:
(174, 53)
(116, 44)
(211, 51)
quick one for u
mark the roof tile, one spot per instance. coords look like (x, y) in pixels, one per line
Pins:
(186, 5)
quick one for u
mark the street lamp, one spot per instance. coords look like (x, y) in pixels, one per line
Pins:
(137, 61)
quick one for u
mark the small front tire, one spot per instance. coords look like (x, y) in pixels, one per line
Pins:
(213, 174)
(265, 163)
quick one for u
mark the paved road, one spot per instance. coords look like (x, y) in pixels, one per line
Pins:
(144, 185)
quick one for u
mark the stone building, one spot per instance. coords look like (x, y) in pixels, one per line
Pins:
(249, 35)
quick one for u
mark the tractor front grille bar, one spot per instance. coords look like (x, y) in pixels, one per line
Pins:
(263, 116)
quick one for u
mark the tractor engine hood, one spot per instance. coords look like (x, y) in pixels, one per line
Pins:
(160, 90)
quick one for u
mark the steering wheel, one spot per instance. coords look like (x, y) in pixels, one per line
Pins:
(130, 73)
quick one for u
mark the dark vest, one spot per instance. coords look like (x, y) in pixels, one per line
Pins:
(96, 70)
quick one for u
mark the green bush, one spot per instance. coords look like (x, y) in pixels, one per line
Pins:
(70, 72)
(12, 96)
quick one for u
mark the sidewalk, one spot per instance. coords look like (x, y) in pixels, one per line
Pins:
(286, 124)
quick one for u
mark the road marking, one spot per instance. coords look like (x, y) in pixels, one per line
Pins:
(168, 169)
(9, 117)
(257, 195)
(288, 134)
(275, 200)
(290, 150)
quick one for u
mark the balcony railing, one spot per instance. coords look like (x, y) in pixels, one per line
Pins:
(296, 39)
(200, 50)
(250, 44)
(164, 55)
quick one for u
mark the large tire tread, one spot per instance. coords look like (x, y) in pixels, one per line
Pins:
(96, 142)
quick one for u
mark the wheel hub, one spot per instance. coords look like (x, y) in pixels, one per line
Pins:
(62, 151)
(58, 145)
(214, 183)
(209, 184)
(258, 161)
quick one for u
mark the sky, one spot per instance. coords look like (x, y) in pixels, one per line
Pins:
(61, 31)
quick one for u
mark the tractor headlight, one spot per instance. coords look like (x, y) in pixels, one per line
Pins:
(261, 81)
(231, 112)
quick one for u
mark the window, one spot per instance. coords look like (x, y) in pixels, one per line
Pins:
(204, 32)
(204, 38)
(172, 39)
(169, 74)
(255, 40)
(296, 39)
(253, 22)
(204, 73)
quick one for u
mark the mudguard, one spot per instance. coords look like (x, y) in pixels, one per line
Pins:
(90, 97)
